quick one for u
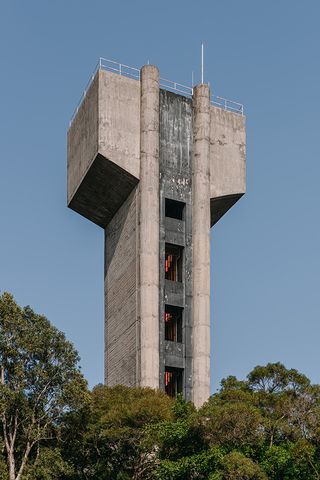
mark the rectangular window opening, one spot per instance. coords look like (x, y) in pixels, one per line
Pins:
(175, 209)
(173, 262)
(173, 323)
(173, 381)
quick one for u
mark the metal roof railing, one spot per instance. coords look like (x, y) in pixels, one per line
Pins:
(176, 87)
(83, 96)
(120, 68)
(228, 105)
(132, 72)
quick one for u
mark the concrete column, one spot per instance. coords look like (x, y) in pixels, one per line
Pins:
(201, 244)
(149, 227)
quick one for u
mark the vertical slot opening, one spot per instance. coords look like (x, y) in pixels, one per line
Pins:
(173, 262)
(173, 381)
(173, 323)
(174, 209)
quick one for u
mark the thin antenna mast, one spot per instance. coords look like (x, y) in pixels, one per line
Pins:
(202, 63)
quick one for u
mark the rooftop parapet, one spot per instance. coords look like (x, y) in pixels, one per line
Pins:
(172, 86)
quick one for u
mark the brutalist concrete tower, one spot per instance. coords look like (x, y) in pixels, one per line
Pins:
(156, 165)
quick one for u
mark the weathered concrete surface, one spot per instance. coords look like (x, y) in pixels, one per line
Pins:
(103, 190)
(119, 113)
(104, 147)
(83, 139)
(201, 244)
(174, 294)
(175, 184)
(121, 319)
(175, 354)
(175, 231)
(227, 161)
(149, 227)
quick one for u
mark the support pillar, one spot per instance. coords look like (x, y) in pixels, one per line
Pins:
(149, 227)
(201, 244)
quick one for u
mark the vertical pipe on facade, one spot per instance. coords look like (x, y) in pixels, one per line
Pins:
(201, 244)
(149, 227)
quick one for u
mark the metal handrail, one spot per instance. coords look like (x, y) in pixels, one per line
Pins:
(132, 72)
(226, 104)
(176, 87)
(97, 67)
(120, 68)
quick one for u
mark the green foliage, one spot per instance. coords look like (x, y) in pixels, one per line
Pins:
(231, 383)
(292, 461)
(182, 408)
(265, 427)
(235, 466)
(234, 423)
(121, 410)
(48, 465)
(52, 428)
(275, 378)
(40, 381)
(198, 466)
(3, 469)
(106, 441)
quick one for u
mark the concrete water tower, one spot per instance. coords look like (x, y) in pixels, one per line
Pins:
(156, 165)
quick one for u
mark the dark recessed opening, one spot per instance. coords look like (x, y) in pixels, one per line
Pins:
(174, 209)
(173, 323)
(173, 381)
(173, 262)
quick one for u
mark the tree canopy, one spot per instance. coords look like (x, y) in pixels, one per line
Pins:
(40, 382)
(266, 426)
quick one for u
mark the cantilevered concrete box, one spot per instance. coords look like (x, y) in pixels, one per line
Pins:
(227, 161)
(104, 147)
(133, 147)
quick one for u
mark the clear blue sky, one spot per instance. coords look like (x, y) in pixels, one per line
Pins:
(266, 258)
